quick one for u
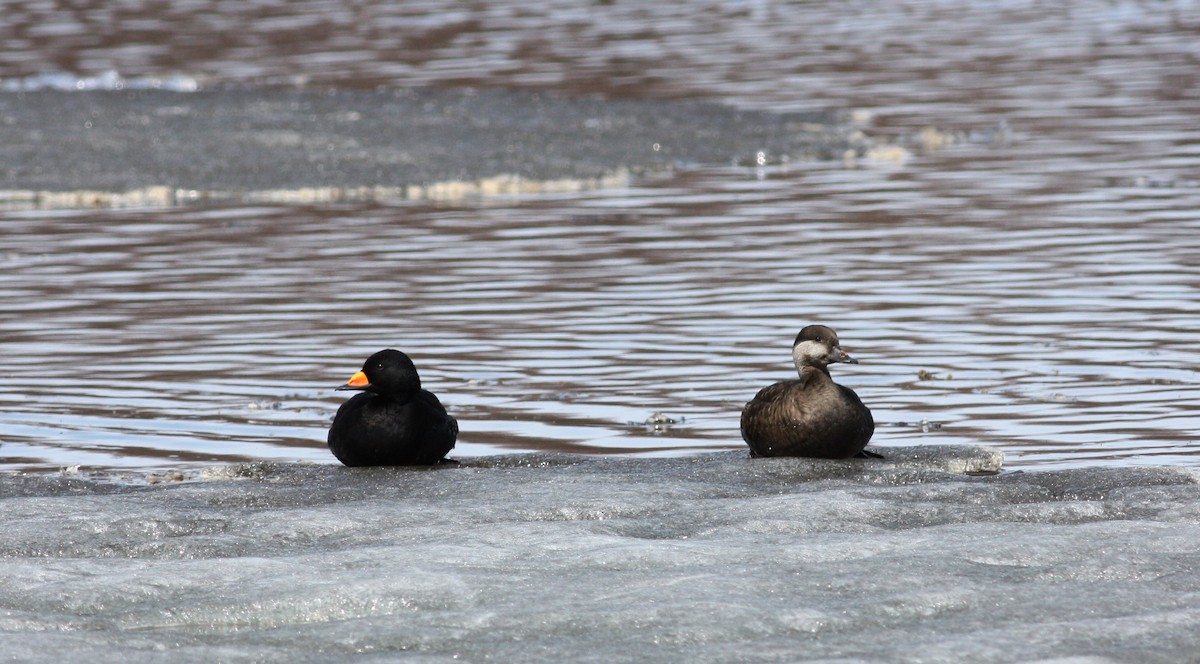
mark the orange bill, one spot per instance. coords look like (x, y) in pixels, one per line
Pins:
(357, 381)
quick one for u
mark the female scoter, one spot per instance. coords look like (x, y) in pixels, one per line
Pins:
(811, 416)
(393, 422)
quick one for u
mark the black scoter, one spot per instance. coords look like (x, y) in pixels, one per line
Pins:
(393, 422)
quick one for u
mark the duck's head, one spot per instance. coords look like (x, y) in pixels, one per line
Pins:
(386, 372)
(818, 346)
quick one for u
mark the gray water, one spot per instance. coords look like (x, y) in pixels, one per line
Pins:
(1024, 274)
(552, 324)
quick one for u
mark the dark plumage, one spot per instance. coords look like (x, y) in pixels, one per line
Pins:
(811, 416)
(393, 422)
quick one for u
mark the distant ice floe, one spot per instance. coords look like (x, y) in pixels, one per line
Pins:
(160, 196)
(109, 80)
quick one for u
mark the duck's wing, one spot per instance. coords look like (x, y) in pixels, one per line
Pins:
(771, 411)
(441, 429)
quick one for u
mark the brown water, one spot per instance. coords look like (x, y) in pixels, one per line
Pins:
(1034, 286)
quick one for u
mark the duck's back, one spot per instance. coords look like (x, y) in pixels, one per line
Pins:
(811, 416)
(376, 430)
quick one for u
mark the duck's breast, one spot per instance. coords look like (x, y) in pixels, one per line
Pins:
(812, 416)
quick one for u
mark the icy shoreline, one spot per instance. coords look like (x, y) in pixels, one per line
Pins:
(550, 557)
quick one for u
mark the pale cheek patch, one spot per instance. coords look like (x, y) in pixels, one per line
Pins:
(809, 350)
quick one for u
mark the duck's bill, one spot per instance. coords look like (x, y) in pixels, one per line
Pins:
(357, 382)
(840, 355)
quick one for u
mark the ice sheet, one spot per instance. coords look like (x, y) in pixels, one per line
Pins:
(547, 557)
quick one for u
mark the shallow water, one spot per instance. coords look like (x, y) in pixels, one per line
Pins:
(1034, 284)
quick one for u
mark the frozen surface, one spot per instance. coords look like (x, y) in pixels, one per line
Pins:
(554, 557)
(277, 144)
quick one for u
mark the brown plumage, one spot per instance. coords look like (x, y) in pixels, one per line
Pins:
(810, 416)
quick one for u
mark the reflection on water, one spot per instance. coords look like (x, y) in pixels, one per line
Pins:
(1062, 333)
(1039, 293)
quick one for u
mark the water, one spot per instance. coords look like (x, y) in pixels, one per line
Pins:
(1026, 278)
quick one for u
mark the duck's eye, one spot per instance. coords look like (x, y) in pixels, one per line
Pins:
(820, 339)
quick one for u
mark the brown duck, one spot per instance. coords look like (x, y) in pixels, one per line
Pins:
(811, 416)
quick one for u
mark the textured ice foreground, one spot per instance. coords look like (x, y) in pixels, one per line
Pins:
(545, 558)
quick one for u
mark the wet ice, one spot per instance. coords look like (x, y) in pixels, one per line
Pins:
(707, 558)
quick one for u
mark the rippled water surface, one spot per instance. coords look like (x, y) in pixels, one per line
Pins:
(1028, 278)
